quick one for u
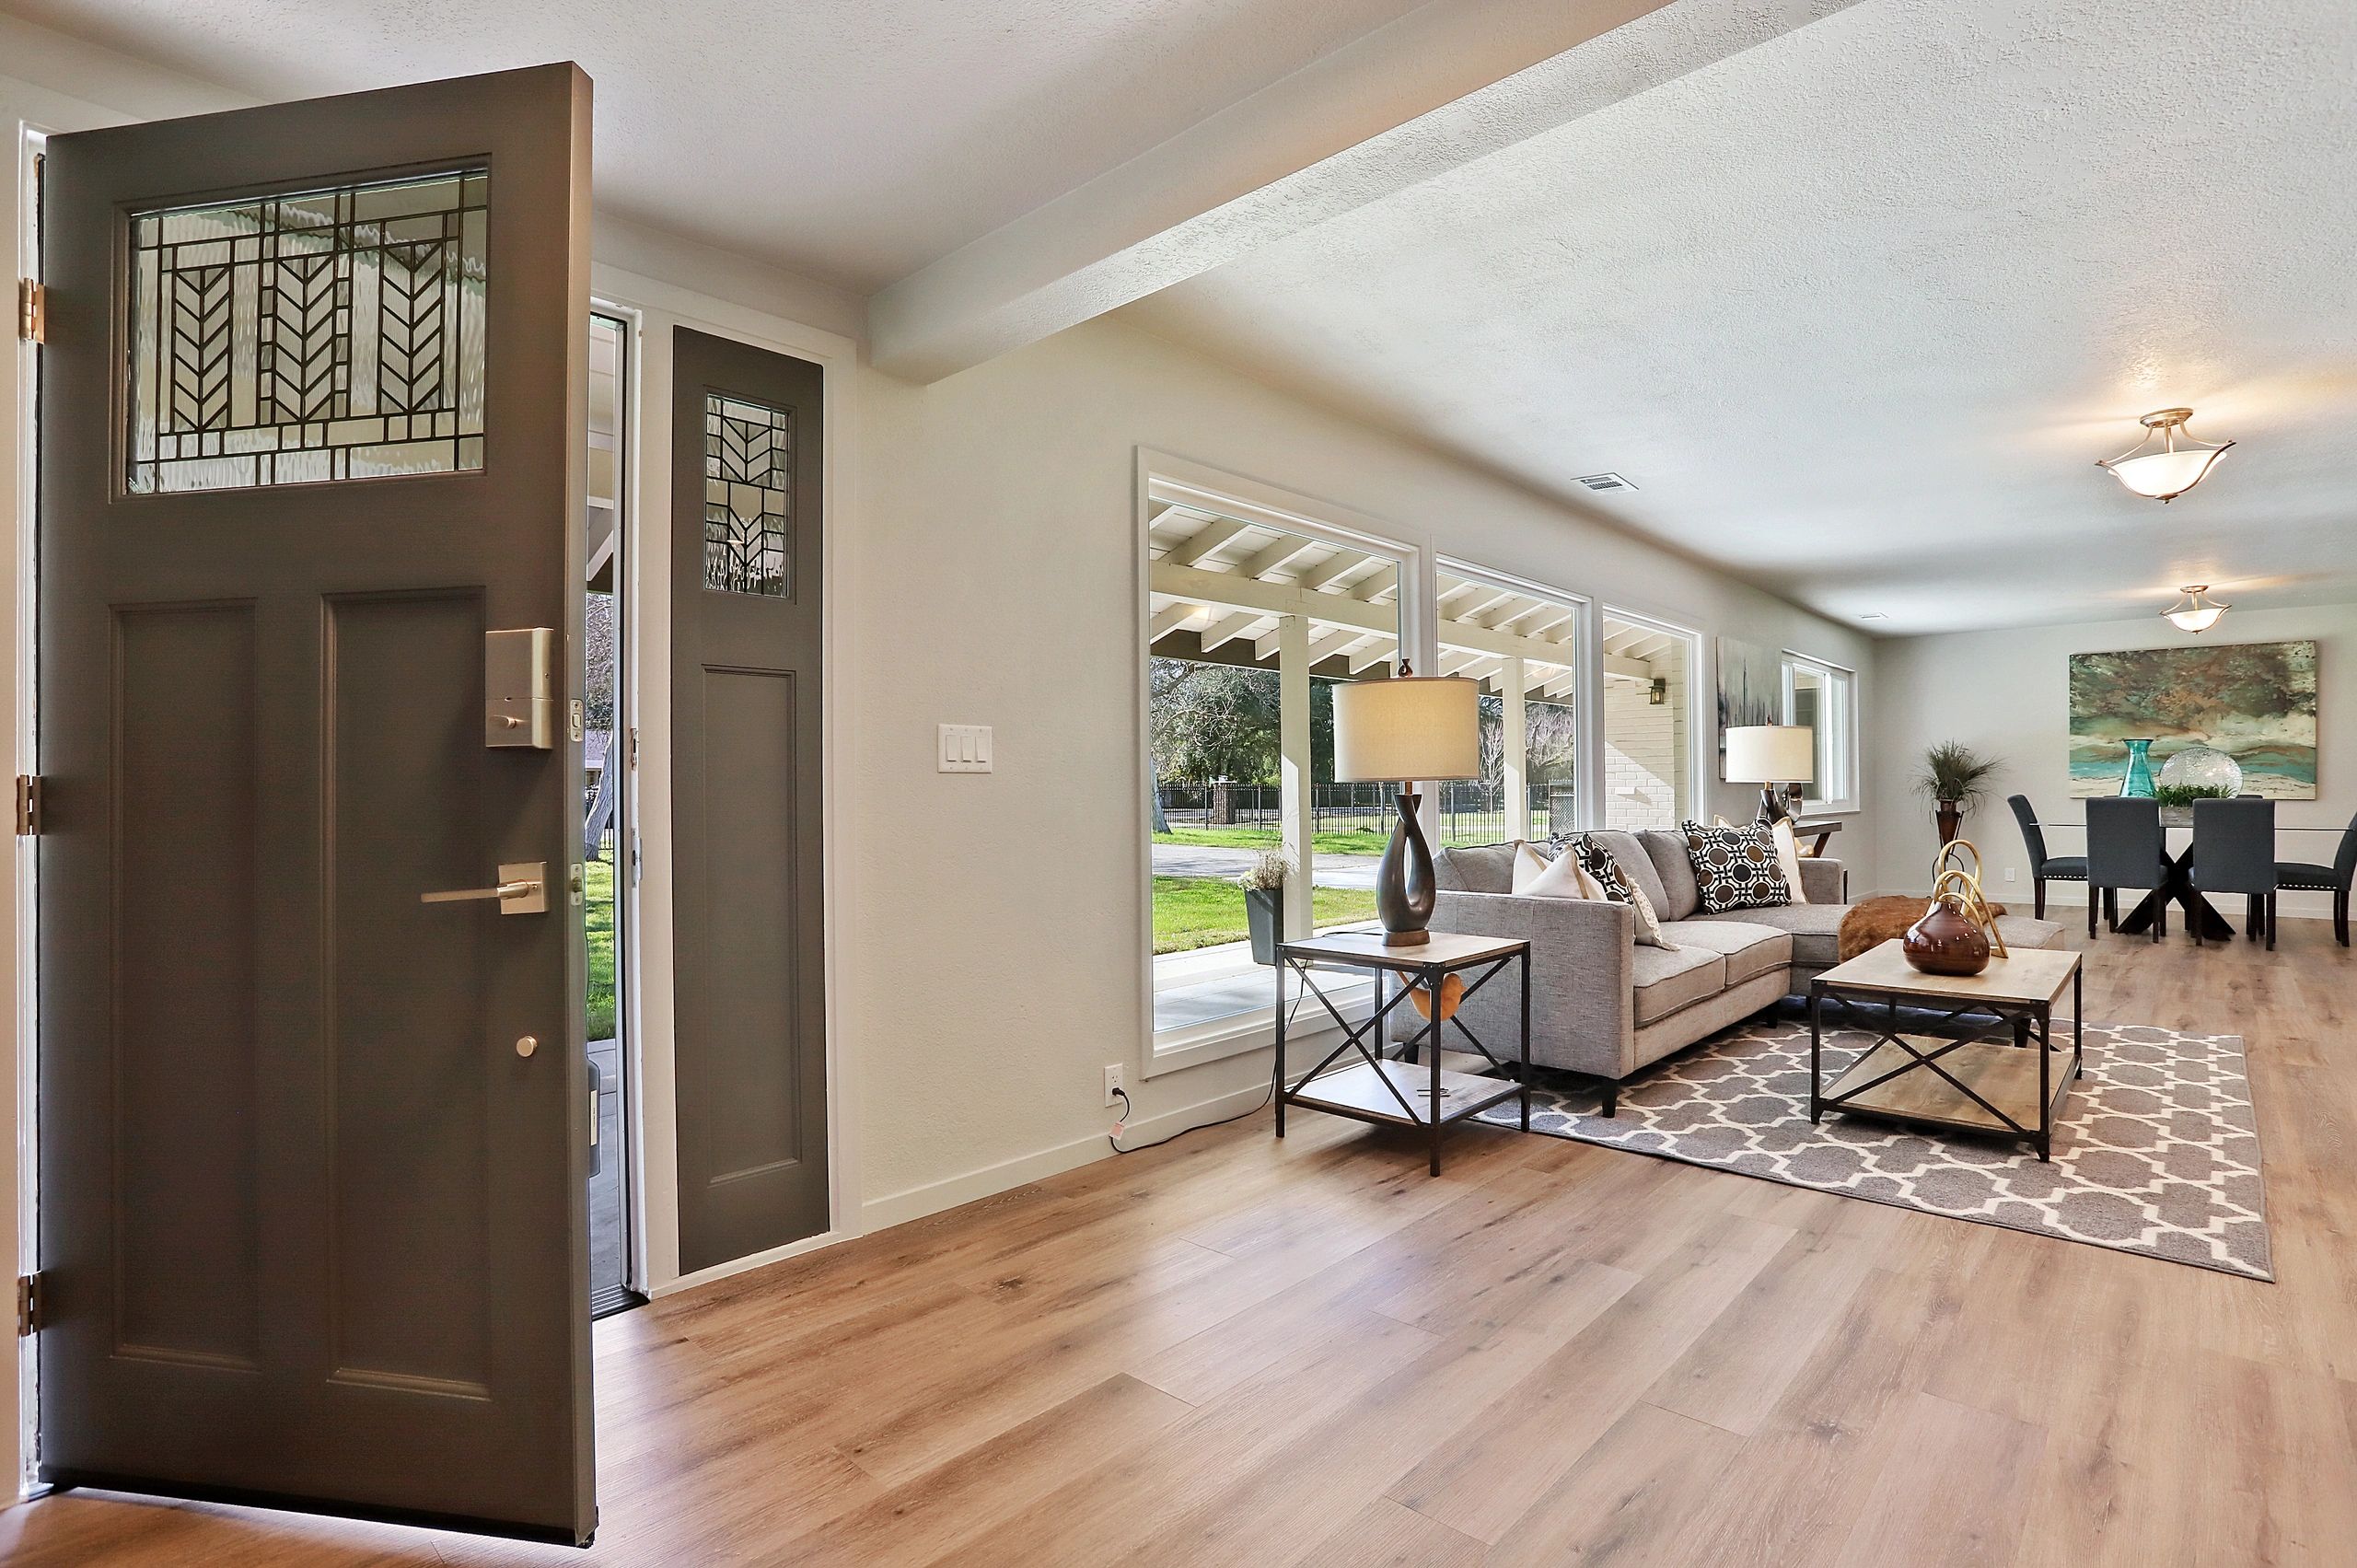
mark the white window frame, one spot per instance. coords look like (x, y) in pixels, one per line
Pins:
(1587, 799)
(1161, 479)
(1838, 686)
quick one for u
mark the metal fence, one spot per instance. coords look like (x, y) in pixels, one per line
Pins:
(1472, 811)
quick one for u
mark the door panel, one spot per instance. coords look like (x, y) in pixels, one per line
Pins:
(313, 397)
(747, 635)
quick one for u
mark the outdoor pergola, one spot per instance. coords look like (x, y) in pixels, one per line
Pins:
(1228, 591)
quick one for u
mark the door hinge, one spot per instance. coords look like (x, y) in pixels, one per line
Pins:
(28, 805)
(33, 311)
(29, 1304)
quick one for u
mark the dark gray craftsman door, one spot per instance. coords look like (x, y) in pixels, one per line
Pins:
(312, 1224)
(746, 738)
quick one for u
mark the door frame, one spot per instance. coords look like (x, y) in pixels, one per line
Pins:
(655, 306)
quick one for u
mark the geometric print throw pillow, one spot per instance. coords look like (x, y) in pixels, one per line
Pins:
(1736, 867)
(1598, 862)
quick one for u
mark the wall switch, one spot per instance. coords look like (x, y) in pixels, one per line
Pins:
(1112, 1080)
(965, 747)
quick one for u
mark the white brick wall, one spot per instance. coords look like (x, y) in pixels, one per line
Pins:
(1643, 746)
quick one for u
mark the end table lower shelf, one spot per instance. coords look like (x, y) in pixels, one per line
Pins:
(1359, 1091)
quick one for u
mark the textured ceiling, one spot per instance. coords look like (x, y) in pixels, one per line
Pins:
(1858, 308)
(851, 140)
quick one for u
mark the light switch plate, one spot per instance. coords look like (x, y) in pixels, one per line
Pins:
(965, 747)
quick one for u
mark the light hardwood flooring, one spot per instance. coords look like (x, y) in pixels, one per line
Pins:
(1236, 1351)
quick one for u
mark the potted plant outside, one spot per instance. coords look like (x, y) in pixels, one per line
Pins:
(1264, 902)
(1954, 778)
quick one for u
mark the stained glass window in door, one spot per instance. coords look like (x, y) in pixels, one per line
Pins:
(330, 333)
(748, 497)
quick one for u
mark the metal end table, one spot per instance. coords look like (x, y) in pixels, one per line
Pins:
(1382, 1089)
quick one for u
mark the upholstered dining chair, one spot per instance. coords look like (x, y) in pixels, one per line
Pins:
(2233, 852)
(2305, 877)
(2125, 849)
(2044, 868)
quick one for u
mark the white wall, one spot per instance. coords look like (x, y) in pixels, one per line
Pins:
(995, 952)
(2007, 693)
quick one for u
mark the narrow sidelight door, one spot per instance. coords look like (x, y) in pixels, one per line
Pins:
(312, 1224)
(746, 734)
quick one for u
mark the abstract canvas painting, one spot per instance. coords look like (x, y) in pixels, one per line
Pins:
(1751, 688)
(2256, 701)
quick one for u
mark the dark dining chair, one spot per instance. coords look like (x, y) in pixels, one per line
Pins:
(2044, 868)
(2233, 852)
(2306, 877)
(2125, 849)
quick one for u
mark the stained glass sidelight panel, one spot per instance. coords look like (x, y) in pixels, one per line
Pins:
(324, 335)
(747, 496)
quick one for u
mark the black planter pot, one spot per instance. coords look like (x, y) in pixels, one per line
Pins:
(1264, 915)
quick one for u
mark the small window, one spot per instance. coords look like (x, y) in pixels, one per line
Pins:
(747, 496)
(331, 333)
(1824, 698)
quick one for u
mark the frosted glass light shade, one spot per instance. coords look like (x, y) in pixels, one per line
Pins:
(2169, 461)
(1772, 753)
(1411, 728)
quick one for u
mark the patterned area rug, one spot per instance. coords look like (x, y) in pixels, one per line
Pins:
(2156, 1151)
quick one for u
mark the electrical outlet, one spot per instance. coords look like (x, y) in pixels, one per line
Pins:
(1112, 1080)
(2009, 874)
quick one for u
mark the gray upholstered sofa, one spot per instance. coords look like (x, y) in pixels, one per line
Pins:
(1604, 1005)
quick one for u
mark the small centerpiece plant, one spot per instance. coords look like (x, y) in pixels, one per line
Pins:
(1264, 882)
(1954, 778)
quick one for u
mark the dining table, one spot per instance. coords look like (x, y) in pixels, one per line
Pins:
(2177, 887)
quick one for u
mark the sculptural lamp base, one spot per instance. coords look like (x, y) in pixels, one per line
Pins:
(1404, 882)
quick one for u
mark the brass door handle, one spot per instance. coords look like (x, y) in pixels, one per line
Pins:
(522, 889)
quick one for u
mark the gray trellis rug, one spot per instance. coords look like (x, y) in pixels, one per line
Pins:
(2156, 1151)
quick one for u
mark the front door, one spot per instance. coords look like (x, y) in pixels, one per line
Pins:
(312, 1224)
(746, 735)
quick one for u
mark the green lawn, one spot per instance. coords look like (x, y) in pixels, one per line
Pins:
(1357, 840)
(598, 901)
(1202, 911)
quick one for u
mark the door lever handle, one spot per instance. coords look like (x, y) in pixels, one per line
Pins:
(522, 889)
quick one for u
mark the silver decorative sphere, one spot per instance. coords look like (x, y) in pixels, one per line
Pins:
(2199, 765)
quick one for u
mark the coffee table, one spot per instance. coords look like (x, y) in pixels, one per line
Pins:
(1973, 1081)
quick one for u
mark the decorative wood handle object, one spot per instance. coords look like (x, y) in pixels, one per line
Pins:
(1959, 888)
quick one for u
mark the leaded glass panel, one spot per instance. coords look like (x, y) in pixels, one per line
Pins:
(747, 496)
(324, 335)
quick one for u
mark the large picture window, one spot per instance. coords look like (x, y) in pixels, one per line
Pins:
(1824, 698)
(1520, 642)
(1253, 621)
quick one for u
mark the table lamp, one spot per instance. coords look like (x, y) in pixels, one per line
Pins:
(1402, 730)
(1769, 755)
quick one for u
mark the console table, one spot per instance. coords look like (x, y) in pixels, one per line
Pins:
(1380, 1088)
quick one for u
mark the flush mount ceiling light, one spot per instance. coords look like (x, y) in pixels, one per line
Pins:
(2195, 612)
(2169, 461)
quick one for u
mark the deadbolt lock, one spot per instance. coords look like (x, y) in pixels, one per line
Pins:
(519, 688)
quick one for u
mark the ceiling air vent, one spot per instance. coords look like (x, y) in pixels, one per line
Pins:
(1603, 482)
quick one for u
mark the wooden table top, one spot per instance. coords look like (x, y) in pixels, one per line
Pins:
(1445, 950)
(2034, 974)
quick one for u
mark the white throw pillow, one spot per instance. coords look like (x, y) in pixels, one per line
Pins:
(1788, 860)
(1535, 876)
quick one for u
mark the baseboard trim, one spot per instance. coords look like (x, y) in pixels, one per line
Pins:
(899, 1208)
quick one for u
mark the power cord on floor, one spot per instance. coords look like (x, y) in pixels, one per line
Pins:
(1268, 1096)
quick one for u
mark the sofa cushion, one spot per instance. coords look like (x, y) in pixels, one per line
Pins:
(1747, 949)
(1475, 868)
(1814, 928)
(1681, 895)
(1635, 865)
(1535, 876)
(1665, 978)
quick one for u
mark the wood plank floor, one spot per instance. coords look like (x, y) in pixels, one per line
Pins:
(1236, 1350)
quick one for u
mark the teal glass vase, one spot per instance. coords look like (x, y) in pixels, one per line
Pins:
(2137, 780)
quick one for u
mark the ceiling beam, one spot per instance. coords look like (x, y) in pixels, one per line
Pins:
(1205, 541)
(1439, 87)
(1224, 588)
(1170, 618)
(1287, 546)
(1230, 628)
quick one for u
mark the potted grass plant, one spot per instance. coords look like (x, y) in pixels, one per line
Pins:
(1264, 902)
(1954, 778)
